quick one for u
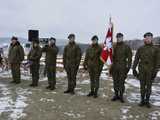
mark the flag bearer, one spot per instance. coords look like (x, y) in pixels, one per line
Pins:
(122, 60)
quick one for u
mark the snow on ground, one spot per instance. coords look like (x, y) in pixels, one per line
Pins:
(154, 115)
(13, 106)
(74, 115)
(158, 74)
(61, 74)
(134, 96)
(131, 83)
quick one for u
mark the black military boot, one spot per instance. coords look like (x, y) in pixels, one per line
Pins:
(48, 87)
(95, 93)
(148, 105)
(121, 97)
(72, 92)
(115, 97)
(67, 91)
(13, 81)
(142, 103)
(17, 82)
(33, 85)
(90, 94)
(52, 88)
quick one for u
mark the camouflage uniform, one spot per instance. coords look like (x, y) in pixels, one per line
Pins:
(147, 60)
(15, 57)
(122, 59)
(94, 66)
(71, 61)
(34, 58)
(50, 60)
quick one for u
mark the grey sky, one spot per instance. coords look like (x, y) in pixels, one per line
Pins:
(85, 18)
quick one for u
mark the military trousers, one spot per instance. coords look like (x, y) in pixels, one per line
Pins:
(119, 76)
(15, 70)
(94, 74)
(71, 75)
(34, 69)
(51, 74)
(145, 77)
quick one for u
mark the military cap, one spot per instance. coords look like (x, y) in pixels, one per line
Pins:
(71, 35)
(148, 34)
(119, 35)
(95, 37)
(14, 38)
(52, 39)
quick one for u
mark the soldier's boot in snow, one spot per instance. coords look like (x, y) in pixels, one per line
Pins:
(95, 93)
(121, 97)
(115, 97)
(142, 103)
(90, 94)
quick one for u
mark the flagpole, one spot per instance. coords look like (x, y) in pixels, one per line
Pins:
(112, 29)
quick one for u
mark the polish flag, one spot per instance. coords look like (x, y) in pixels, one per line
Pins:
(106, 55)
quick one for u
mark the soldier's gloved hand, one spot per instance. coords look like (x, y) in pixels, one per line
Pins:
(135, 73)
(154, 75)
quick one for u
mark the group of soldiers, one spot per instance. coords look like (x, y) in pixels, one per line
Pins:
(146, 59)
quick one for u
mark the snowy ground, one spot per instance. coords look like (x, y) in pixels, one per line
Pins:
(26, 103)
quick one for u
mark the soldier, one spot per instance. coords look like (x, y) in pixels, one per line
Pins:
(94, 65)
(34, 60)
(122, 60)
(71, 61)
(15, 57)
(51, 51)
(147, 60)
(1, 58)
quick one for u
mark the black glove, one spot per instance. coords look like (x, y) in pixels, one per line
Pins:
(154, 75)
(135, 73)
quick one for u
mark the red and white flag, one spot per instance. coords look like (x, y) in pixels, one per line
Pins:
(106, 55)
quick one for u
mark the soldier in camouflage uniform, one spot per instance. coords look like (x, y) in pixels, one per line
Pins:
(71, 61)
(51, 51)
(122, 60)
(1, 58)
(34, 59)
(147, 60)
(94, 65)
(15, 57)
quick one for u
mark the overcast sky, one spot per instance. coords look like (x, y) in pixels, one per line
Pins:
(85, 18)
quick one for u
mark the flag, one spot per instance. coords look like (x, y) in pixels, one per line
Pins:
(106, 54)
